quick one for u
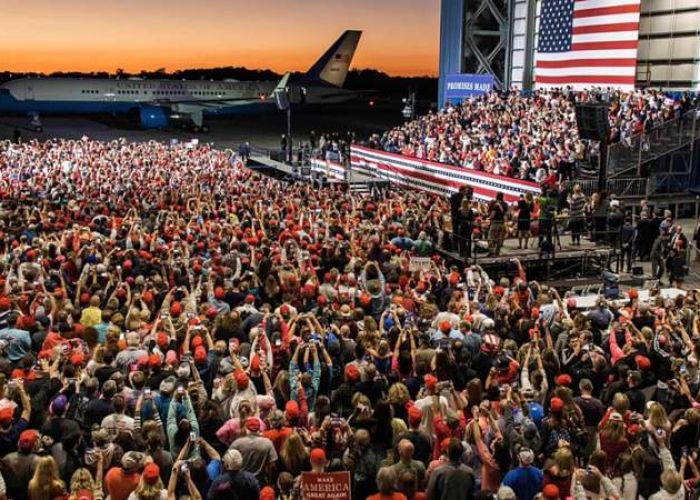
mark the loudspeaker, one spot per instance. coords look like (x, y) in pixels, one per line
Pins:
(637, 271)
(592, 121)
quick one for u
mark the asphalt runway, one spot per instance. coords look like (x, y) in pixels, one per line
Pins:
(262, 131)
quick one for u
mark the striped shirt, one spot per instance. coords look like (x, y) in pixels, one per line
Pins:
(577, 203)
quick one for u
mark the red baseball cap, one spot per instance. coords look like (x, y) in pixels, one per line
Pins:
(318, 456)
(415, 415)
(551, 491)
(241, 379)
(27, 440)
(175, 309)
(5, 303)
(200, 354)
(162, 339)
(556, 404)
(154, 361)
(151, 473)
(291, 410)
(252, 424)
(352, 373)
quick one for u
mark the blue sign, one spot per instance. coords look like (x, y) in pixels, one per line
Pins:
(459, 87)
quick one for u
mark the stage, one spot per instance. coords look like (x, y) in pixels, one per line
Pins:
(568, 265)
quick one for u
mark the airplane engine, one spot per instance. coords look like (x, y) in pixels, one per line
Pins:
(152, 117)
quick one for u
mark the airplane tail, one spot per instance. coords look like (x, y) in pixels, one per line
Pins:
(332, 68)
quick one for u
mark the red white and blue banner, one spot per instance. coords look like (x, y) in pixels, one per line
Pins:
(437, 177)
(330, 169)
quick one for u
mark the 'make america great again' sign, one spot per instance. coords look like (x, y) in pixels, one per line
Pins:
(325, 486)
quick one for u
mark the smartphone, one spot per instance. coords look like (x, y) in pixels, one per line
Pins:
(184, 468)
(659, 432)
(181, 390)
(193, 436)
(147, 392)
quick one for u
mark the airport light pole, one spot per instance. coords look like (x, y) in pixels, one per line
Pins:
(409, 109)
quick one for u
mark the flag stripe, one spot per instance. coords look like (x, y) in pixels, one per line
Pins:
(612, 46)
(587, 54)
(608, 28)
(587, 71)
(608, 37)
(572, 63)
(606, 11)
(593, 80)
(606, 20)
(597, 4)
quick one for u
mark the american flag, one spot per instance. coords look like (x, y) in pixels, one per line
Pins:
(587, 43)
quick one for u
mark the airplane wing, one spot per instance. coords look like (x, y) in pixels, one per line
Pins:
(212, 103)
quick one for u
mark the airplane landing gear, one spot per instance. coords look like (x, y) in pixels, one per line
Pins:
(35, 124)
(197, 123)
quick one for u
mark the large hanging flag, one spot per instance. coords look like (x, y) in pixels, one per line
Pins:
(587, 43)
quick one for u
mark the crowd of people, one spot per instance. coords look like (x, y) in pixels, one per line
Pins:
(525, 136)
(173, 325)
(563, 211)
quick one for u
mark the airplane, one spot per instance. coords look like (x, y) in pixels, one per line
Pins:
(155, 102)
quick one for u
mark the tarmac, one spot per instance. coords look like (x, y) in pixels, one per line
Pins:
(262, 130)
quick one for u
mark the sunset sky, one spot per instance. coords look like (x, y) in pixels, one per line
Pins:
(400, 36)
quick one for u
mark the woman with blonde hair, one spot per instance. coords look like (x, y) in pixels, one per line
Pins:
(657, 418)
(46, 483)
(151, 485)
(657, 421)
(559, 471)
(80, 482)
(294, 457)
(398, 397)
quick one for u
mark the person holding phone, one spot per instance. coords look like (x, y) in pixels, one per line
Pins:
(178, 432)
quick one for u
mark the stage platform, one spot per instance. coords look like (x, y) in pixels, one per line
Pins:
(573, 265)
(288, 172)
